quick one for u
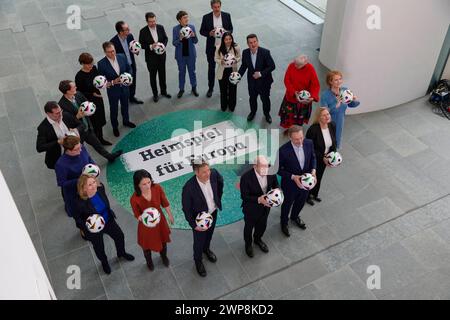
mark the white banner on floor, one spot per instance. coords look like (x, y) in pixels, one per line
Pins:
(219, 143)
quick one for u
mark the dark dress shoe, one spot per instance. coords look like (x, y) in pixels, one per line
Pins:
(209, 93)
(210, 255)
(249, 251)
(166, 95)
(116, 132)
(115, 155)
(106, 267)
(251, 116)
(300, 223)
(129, 124)
(135, 100)
(127, 256)
(165, 261)
(285, 230)
(180, 94)
(155, 99)
(200, 269)
(269, 119)
(194, 92)
(317, 199)
(309, 201)
(264, 248)
(105, 142)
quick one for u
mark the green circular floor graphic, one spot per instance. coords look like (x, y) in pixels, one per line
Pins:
(155, 133)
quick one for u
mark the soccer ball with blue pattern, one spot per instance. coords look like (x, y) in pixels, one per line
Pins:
(204, 221)
(95, 223)
(126, 79)
(100, 82)
(88, 108)
(346, 96)
(275, 197)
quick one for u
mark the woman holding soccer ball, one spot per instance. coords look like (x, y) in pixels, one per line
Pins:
(228, 55)
(146, 195)
(333, 99)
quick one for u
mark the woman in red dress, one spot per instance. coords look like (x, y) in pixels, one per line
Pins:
(300, 75)
(150, 195)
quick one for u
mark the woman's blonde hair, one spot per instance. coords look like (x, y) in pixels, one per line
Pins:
(317, 114)
(331, 75)
(82, 182)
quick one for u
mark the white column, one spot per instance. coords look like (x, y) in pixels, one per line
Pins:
(390, 66)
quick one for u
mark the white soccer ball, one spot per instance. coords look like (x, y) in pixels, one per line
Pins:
(100, 82)
(88, 108)
(303, 95)
(186, 32)
(160, 48)
(235, 77)
(91, 170)
(95, 223)
(275, 197)
(126, 78)
(151, 217)
(204, 220)
(218, 32)
(346, 96)
(334, 158)
(229, 60)
(308, 181)
(135, 46)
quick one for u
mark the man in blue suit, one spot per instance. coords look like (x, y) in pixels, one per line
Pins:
(112, 66)
(121, 42)
(260, 65)
(185, 53)
(202, 193)
(295, 159)
(210, 21)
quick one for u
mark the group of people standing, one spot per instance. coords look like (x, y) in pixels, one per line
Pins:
(61, 135)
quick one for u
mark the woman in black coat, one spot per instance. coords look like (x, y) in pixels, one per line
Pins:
(92, 199)
(323, 134)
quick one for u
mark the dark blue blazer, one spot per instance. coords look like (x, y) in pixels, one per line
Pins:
(119, 48)
(264, 64)
(179, 46)
(288, 164)
(194, 201)
(208, 25)
(105, 68)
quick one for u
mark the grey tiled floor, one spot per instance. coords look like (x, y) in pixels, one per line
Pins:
(387, 205)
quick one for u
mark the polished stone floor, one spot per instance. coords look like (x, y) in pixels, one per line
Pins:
(388, 204)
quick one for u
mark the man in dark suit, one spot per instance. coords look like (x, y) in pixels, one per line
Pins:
(112, 66)
(70, 102)
(52, 130)
(254, 186)
(210, 21)
(295, 159)
(202, 193)
(149, 36)
(121, 42)
(260, 65)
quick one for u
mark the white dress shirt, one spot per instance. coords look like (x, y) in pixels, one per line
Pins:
(115, 65)
(300, 153)
(262, 181)
(60, 128)
(327, 138)
(217, 23)
(209, 195)
(254, 56)
(154, 34)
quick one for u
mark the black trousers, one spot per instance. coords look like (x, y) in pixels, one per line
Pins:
(211, 70)
(320, 170)
(133, 85)
(265, 98)
(227, 91)
(90, 138)
(296, 200)
(202, 239)
(113, 230)
(158, 68)
(257, 221)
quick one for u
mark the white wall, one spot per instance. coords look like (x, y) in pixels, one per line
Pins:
(21, 273)
(446, 74)
(386, 67)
